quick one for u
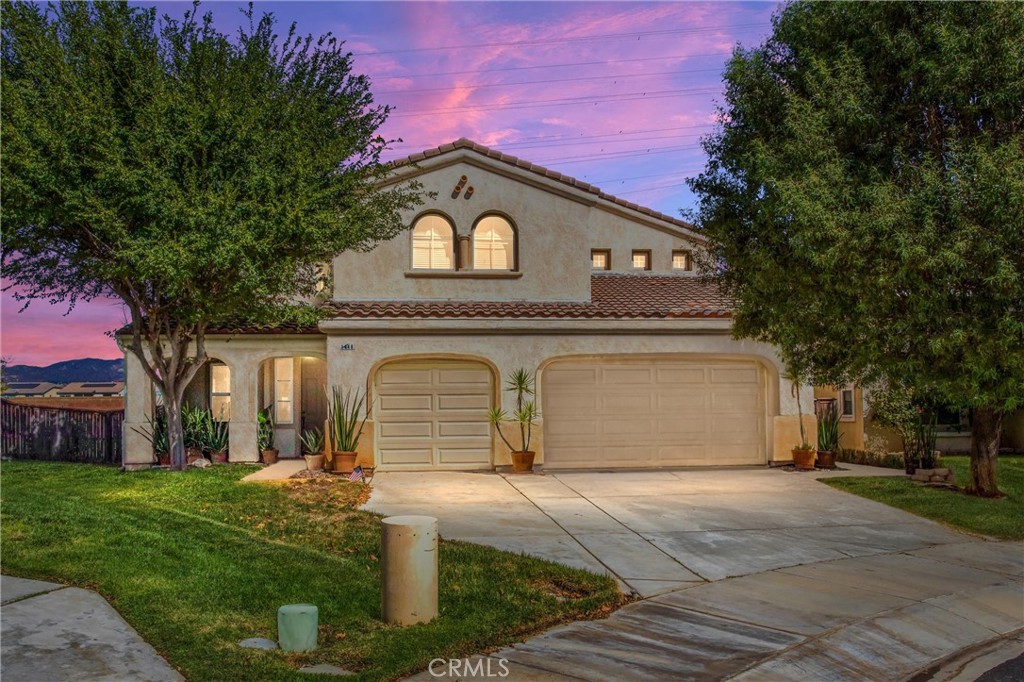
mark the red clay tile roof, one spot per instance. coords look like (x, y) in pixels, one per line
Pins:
(613, 296)
(464, 143)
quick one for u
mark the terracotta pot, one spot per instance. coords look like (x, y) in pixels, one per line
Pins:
(314, 462)
(522, 462)
(192, 455)
(219, 457)
(343, 462)
(826, 459)
(269, 456)
(803, 459)
(164, 459)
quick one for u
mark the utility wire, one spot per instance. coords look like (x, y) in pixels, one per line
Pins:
(563, 39)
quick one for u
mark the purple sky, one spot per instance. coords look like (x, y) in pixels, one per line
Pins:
(616, 94)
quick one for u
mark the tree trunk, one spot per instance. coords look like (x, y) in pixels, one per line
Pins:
(986, 428)
(175, 433)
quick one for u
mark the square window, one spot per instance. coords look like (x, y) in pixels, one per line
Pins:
(600, 259)
(641, 260)
(681, 260)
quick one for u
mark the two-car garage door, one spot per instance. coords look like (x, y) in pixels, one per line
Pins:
(610, 412)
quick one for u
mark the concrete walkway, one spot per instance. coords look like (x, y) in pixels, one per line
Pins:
(751, 575)
(281, 470)
(55, 633)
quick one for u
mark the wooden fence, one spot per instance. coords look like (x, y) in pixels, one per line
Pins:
(60, 433)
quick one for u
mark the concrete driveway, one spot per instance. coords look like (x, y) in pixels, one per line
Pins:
(748, 575)
(658, 531)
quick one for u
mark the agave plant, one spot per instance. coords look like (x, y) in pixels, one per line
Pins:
(828, 427)
(264, 429)
(156, 432)
(343, 418)
(522, 383)
(194, 425)
(216, 436)
(312, 441)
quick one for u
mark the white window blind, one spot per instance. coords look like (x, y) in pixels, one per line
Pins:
(493, 245)
(433, 246)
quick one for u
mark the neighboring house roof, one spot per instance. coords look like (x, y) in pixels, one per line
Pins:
(464, 143)
(89, 388)
(614, 296)
(29, 388)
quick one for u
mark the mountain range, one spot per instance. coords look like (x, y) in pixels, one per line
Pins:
(84, 369)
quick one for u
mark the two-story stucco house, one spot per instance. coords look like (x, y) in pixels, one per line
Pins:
(511, 265)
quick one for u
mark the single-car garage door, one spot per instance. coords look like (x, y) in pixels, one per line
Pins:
(610, 412)
(433, 415)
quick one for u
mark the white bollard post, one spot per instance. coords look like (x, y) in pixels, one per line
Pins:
(408, 569)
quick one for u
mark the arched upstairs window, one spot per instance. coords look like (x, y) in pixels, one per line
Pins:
(494, 244)
(433, 243)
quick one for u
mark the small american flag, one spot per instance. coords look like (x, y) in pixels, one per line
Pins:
(357, 475)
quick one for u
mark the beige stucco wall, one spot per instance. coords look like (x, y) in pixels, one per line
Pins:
(506, 353)
(851, 431)
(556, 228)
(244, 355)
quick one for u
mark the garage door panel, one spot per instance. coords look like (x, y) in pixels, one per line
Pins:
(396, 403)
(471, 377)
(680, 375)
(681, 402)
(658, 412)
(737, 375)
(433, 415)
(407, 456)
(392, 377)
(471, 401)
(626, 402)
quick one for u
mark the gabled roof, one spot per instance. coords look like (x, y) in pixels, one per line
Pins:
(464, 143)
(613, 296)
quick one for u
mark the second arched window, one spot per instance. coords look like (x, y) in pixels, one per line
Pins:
(494, 244)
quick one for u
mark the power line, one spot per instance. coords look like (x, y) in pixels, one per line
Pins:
(618, 155)
(621, 97)
(560, 40)
(606, 62)
(479, 86)
(557, 138)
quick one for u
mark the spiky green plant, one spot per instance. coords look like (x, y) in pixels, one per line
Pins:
(156, 432)
(264, 429)
(194, 425)
(343, 418)
(312, 441)
(522, 383)
(828, 427)
(216, 436)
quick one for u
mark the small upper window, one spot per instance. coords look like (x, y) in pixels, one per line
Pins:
(682, 260)
(641, 260)
(847, 405)
(494, 244)
(600, 259)
(433, 244)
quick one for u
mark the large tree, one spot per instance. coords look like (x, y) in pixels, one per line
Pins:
(864, 200)
(196, 176)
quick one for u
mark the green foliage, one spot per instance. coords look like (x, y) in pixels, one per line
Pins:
(197, 176)
(522, 384)
(828, 427)
(147, 540)
(215, 437)
(874, 459)
(312, 442)
(343, 422)
(155, 432)
(999, 518)
(194, 424)
(265, 429)
(903, 410)
(863, 200)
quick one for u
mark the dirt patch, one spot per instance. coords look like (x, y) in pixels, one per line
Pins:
(327, 492)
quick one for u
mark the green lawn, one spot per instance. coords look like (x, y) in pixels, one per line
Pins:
(196, 562)
(1002, 518)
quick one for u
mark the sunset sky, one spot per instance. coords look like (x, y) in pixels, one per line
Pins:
(616, 94)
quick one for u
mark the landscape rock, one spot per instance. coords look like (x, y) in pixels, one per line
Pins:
(200, 463)
(258, 643)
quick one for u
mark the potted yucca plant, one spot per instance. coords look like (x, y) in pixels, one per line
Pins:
(828, 434)
(313, 449)
(265, 436)
(216, 439)
(521, 383)
(345, 427)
